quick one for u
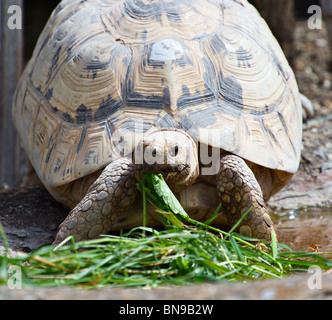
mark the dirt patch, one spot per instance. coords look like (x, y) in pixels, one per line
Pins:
(30, 217)
(312, 184)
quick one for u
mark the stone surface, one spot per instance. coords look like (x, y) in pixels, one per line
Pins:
(296, 287)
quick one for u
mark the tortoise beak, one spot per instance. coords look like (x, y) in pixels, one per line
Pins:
(175, 167)
(157, 168)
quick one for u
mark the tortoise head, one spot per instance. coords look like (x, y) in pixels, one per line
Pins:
(171, 152)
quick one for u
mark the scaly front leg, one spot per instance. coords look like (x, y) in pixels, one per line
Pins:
(108, 196)
(239, 191)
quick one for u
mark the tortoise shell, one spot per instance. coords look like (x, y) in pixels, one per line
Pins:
(211, 68)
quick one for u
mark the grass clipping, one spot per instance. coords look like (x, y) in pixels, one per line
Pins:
(146, 257)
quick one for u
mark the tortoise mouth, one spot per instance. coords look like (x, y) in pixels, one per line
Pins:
(177, 176)
(163, 169)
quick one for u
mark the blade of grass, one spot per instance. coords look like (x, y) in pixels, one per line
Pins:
(5, 240)
(237, 223)
(214, 216)
(144, 205)
(236, 248)
(274, 244)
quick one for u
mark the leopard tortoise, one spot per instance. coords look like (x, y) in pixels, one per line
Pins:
(199, 91)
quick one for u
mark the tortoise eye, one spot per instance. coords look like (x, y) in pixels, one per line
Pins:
(154, 152)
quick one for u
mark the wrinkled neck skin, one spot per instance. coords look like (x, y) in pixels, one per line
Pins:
(171, 152)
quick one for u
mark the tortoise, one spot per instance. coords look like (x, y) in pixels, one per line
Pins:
(199, 91)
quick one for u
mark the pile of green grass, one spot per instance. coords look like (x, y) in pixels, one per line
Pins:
(178, 255)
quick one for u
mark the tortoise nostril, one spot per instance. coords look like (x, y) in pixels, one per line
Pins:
(176, 150)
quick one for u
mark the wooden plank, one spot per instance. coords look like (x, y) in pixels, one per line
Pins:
(280, 16)
(10, 70)
(327, 14)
